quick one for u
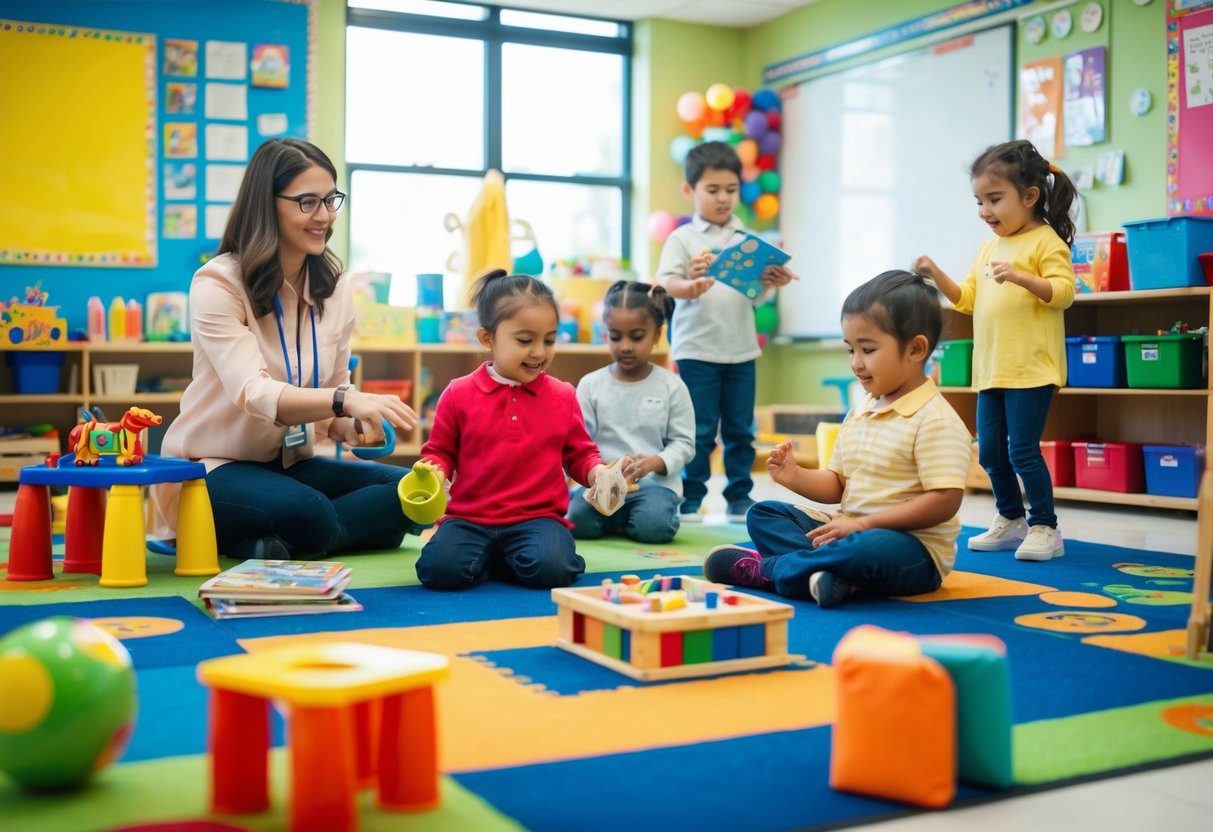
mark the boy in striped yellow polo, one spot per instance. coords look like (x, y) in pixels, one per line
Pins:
(898, 470)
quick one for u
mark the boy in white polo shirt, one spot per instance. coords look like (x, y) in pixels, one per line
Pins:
(898, 469)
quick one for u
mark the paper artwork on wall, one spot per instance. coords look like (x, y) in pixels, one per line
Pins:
(180, 97)
(227, 142)
(180, 222)
(1092, 17)
(1063, 22)
(227, 101)
(223, 182)
(271, 65)
(180, 140)
(1198, 59)
(1034, 30)
(1110, 168)
(216, 220)
(1084, 114)
(226, 60)
(180, 57)
(1040, 95)
(271, 124)
(180, 180)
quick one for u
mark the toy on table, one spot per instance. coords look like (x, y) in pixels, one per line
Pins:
(422, 497)
(93, 439)
(741, 266)
(69, 702)
(609, 491)
(690, 636)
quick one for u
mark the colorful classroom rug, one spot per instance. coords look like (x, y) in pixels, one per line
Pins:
(534, 737)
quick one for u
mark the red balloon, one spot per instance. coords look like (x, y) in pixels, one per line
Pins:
(713, 118)
(765, 163)
(774, 119)
(740, 105)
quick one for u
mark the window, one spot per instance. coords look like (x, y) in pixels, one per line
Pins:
(438, 93)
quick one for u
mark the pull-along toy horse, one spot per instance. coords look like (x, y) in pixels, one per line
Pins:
(92, 440)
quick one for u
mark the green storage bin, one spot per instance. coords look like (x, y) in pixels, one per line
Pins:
(1166, 361)
(956, 363)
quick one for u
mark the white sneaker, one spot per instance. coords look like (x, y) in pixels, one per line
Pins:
(1003, 534)
(1042, 543)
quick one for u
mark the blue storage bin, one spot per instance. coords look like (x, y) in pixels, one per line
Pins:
(1095, 361)
(1174, 470)
(1164, 253)
(35, 372)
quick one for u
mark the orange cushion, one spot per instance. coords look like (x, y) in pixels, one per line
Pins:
(895, 728)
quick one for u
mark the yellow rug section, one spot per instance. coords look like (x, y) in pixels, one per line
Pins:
(959, 586)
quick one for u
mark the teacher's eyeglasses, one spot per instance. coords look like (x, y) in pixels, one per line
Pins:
(308, 203)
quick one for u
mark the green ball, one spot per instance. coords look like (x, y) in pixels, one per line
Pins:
(69, 702)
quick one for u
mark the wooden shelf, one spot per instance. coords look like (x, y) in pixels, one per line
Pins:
(1118, 414)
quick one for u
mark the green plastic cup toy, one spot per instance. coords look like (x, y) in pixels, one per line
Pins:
(422, 497)
(69, 702)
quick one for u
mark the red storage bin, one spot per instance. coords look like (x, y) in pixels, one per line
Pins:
(1059, 457)
(1110, 466)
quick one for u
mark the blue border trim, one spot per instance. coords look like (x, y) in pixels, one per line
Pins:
(911, 29)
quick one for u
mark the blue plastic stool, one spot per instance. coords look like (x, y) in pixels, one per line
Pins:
(843, 383)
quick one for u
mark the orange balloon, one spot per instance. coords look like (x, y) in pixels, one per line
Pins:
(694, 128)
(747, 152)
(766, 206)
(713, 118)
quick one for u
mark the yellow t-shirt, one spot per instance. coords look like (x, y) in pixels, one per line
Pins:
(891, 454)
(1019, 341)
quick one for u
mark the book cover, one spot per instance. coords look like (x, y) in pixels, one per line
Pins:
(242, 608)
(741, 266)
(276, 577)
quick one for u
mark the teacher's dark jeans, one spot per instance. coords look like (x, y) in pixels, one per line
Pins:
(318, 506)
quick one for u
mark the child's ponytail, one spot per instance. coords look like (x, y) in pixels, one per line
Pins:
(1061, 196)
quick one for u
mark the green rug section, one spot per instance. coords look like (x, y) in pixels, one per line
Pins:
(1059, 749)
(371, 569)
(178, 789)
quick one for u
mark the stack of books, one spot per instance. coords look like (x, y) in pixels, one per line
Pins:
(258, 588)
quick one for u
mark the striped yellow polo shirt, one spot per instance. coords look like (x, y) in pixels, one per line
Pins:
(887, 455)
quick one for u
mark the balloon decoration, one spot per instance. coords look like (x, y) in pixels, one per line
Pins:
(751, 123)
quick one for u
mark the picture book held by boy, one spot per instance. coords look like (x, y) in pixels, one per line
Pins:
(741, 266)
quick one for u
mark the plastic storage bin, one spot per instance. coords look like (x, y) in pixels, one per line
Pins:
(1095, 361)
(1174, 470)
(1164, 253)
(1109, 466)
(1167, 361)
(1101, 262)
(35, 371)
(956, 363)
(1059, 458)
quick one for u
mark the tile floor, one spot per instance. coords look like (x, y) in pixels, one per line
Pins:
(1169, 798)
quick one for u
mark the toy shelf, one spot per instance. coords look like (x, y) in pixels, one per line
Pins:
(1123, 414)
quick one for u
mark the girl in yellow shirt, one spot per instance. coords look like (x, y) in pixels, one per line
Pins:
(1017, 291)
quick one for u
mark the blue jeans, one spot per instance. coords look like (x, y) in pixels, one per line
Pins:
(535, 553)
(1009, 426)
(723, 396)
(318, 506)
(876, 562)
(649, 515)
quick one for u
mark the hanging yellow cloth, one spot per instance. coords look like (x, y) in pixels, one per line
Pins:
(486, 234)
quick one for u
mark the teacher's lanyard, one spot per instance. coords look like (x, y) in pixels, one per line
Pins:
(290, 378)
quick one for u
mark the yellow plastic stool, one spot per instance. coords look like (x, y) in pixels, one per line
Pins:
(827, 432)
(197, 550)
(123, 547)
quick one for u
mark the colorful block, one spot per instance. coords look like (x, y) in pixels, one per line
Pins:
(611, 640)
(625, 645)
(593, 633)
(751, 640)
(578, 628)
(697, 646)
(724, 644)
(671, 649)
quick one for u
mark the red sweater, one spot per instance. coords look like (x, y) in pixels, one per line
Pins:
(506, 448)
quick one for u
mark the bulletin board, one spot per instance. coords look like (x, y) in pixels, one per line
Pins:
(225, 76)
(78, 124)
(1189, 107)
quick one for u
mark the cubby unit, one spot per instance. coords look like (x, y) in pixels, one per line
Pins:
(1120, 414)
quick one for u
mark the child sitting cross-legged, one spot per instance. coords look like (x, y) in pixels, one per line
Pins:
(898, 470)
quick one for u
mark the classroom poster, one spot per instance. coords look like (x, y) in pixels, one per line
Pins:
(1040, 96)
(1084, 114)
(1198, 63)
(180, 97)
(271, 65)
(180, 57)
(180, 180)
(180, 222)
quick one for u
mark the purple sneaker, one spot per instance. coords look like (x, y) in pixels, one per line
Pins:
(736, 565)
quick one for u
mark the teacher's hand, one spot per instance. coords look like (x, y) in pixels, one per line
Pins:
(374, 408)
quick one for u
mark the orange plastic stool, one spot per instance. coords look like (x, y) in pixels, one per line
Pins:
(337, 693)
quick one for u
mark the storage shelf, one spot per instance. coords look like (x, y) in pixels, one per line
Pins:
(1092, 495)
(1104, 391)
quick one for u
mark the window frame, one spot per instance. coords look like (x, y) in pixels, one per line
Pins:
(494, 35)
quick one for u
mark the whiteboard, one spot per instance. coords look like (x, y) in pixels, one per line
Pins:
(875, 170)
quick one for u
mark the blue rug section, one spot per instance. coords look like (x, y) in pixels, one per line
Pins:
(416, 606)
(779, 777)
(199, 639)
(174, 710)
(563, 673)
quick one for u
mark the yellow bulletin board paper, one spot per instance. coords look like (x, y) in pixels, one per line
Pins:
(77, 121)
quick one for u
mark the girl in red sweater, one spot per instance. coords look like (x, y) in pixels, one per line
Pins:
(506, 436)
